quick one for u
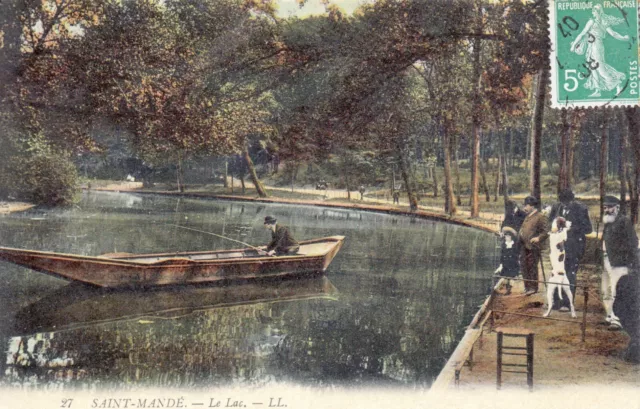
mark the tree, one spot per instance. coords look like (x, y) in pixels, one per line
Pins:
(444, 90)
(157, 77)
(524, 51)
(30, 98)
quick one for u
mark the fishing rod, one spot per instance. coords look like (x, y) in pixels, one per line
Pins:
(217, 235)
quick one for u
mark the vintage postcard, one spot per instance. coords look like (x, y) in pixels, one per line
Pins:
(306, 204)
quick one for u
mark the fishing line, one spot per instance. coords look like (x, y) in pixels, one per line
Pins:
(217, 235)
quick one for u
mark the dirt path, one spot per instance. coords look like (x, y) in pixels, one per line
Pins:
(560, 357)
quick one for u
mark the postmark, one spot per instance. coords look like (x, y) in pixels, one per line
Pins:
(594, 53)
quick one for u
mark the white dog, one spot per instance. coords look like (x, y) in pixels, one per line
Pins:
(558, 280)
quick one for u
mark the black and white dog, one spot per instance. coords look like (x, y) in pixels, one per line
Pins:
(558, 280)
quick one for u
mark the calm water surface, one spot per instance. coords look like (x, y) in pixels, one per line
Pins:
(388, 312)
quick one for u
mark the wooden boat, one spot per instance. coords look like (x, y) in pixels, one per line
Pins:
(78, 305)
(147, 270)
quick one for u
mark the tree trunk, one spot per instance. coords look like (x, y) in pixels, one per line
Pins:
(294, 175)
(510, 162)
(563, 173)
(482, 165)
(345, 172)
(633, 195)
(574, 137)
(404, 172)
(244, 188)
(393, 179)
(483, 177)
(622, 164)
(496, 187)
(10, 59)
(456, 169)
(505, 178)
(449, 204)
(634, 141)
(10, 43)
(636, 194)
(435, 181)
(180, 175)
(604, 143)
(475, 121)
(253, 175)
(536, 133)
(226, 172)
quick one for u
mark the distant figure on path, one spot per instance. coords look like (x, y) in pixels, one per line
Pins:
(533, 232)
(396, 197)
(361, 189)
(577, 216)
(282, 242)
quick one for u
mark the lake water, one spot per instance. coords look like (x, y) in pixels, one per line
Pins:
(388, 312)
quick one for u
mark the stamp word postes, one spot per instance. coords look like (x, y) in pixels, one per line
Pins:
(594, 53)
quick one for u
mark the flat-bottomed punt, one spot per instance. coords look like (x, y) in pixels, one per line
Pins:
(148, 270)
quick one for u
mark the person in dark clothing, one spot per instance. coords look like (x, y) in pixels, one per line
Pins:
(533, 233)
(627, 307)
(396, 197)
(577, 216)
(509, 257)
(620, 247)
(513, 215)
(282, 242)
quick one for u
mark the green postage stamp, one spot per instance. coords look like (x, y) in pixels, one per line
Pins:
(594, 53)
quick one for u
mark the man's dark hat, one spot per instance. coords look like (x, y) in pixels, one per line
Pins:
(530, 200)
(566, 195)
(611, 201)
(269, 220)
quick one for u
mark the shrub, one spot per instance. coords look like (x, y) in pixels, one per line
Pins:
(48, 179)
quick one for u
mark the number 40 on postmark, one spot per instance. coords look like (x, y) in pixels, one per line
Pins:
(594, 53)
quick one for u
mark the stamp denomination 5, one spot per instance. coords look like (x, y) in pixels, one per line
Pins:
(594, 53)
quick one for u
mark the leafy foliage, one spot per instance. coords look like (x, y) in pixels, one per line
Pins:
(48, 179)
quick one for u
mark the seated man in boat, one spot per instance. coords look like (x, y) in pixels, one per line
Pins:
(282, 242)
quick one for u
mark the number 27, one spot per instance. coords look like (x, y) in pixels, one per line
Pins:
(66, 403)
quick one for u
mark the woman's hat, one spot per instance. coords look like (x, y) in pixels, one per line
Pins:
(269, 220)
(511, 231)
